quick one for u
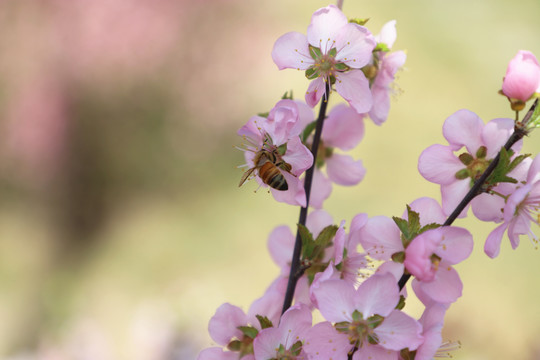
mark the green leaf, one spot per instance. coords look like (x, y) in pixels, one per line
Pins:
(308, 130)
(332, 52)
(341, 67)
(403, 225)
(429, 227)
(264, 115)
(315, 52)
(381, 47)
(287, 96)
(359, 21)
(326, 235)
(308, 244)
(401, 303)
(264, 321)
(248, 331)
(312, 73)
(235, 345)
(399, 257)
(414, 221)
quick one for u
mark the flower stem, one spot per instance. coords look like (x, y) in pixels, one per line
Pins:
(296, 270)
(519, 132)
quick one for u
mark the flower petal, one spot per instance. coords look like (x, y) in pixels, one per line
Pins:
(223, 325)
(379, 294)
(380, 238)
(447, 286)
(464, 128)
(439, 165)
(493, 241)
(344, 170)
(354, 46)
(325, 26)
(344, 127)
(291, 51)
(321, 188)
(354, 87)
(280, 246)
(398, 331)
(456, 245)
(336, 300)
(315, 91)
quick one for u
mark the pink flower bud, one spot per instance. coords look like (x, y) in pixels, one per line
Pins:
(522, 78)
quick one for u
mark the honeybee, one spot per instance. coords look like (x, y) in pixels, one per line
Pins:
(269, 165)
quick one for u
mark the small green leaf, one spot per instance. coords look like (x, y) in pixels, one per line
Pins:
(235, 345)
(315, 52)
(308, 244)
(463, 174)
(381, 47)
(359, 21)
(332, 52)
(296, 348)
(403, 225)
(375, 321)
(466, 158)
(429, 227)
(326, 235)
(401, 303)
(264, 321)
(308, 130)
(312, 73)
(357, 316)
(264, 115)
(481, 152)
(248, 331)
(398, 257)
(341, 67)
(287, 96)
(414, 221)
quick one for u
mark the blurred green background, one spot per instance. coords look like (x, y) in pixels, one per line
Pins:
(122, 228)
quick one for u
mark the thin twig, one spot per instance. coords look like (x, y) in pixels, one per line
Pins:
(296, 271)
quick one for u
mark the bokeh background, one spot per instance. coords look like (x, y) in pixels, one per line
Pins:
(122, 227)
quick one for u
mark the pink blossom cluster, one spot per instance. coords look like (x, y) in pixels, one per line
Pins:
(354, 276)
(512, 199)
(362, 70)
(360, 302)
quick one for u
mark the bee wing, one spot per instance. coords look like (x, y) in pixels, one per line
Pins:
(245, 176)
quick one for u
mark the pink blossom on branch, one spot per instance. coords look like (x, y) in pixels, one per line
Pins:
(521, 209)
(334, 51)
(456, 174)
(387, 67)
(274, 153)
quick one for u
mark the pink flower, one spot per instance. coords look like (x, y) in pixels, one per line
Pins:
(224, 325)
(389, 64)
(368, 315)
(440, 165)
(334, 51)
(430, 256)
(274, 149)
(522, 78)
(284, 341)
(522, 208)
